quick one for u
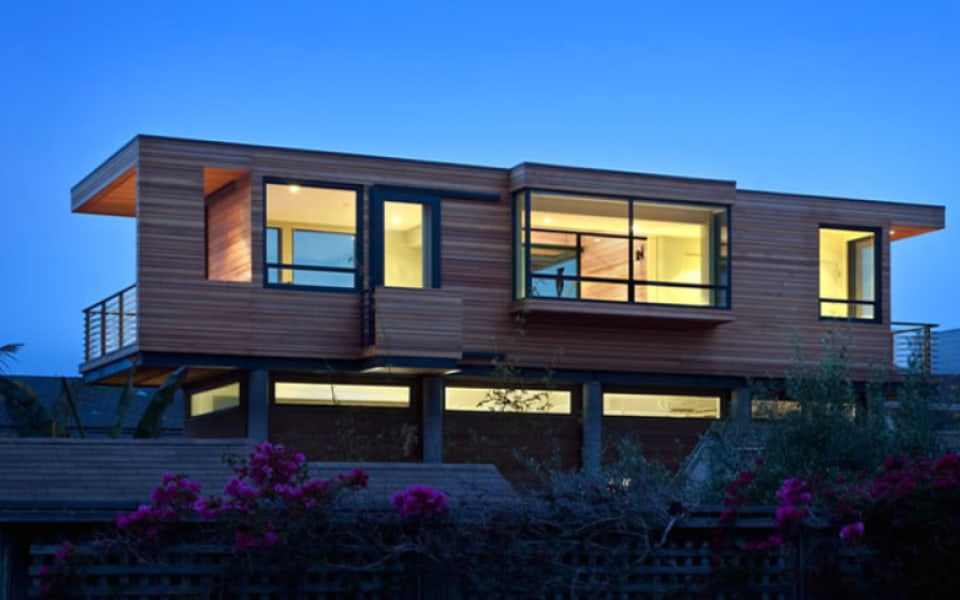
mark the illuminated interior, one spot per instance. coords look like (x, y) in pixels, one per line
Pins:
(403, 244)
(486, 400)
(220, 398)
(341, 394)
(661, 405)
(623, 250)
(311, 236)
(848, 285)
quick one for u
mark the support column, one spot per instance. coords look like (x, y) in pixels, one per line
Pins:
(258, 404)
(740, 405)
(432, 424)
(592, 426)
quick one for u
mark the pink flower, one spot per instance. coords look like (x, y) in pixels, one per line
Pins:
(420, 501)
(852, 533)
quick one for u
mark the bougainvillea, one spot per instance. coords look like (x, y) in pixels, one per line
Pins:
(420, 501)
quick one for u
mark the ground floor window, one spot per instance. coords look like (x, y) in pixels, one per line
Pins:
(508, 400)
(341, 394)
(661, 405)
(214, 399)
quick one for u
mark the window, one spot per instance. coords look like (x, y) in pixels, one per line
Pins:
(621, 250)
(311, 236)
(849, 267)
(504, 400)
(341, 394)
(661, 405)
(405, 237)
(214, 399)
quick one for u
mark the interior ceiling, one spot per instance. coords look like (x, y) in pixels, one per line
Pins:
(614, 225)
(329, 207)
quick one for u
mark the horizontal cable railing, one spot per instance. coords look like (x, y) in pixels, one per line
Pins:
(111, 324)
(914, 345)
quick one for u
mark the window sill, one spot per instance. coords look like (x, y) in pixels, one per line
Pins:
(649, 316)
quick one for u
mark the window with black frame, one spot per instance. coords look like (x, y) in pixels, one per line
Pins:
(576, 247)
(849, 270)
(311, 235)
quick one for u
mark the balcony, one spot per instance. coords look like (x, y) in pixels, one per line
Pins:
(914, 346)
(110, 325)
(412, 322)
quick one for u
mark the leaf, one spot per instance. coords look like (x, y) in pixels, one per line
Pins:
(151, 422)
(7, 352)
(30, 418)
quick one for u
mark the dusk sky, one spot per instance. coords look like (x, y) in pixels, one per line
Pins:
(853, 99)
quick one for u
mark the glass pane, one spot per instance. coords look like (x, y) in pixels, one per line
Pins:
(847, 273)
(220, 398)
(272, 243)
(322, 249)
(505, 400)
(664, 294)
(273, 275)
(678, 243)
(585, 214)
(661, 405)
(595, 290)
(604, 257)
(560, 286)
(403, 244)
(341, 394)
(321, 278)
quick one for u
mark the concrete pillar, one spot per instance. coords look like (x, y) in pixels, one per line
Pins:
(740, 401)
(432, 419)
(258, 404)
(592, 426)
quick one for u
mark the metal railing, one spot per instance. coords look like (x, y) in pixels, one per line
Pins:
(914, 345)
(111, 325)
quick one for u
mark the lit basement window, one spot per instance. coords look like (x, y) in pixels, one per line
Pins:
(661, 405)
(341, 394)
(535, 401)
(216, 399)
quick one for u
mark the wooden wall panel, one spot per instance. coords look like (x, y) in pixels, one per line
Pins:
(418, 322)
(229, 255)
(774, 253)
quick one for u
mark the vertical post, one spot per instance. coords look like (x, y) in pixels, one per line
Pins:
(258, 405)
(741, 405)
(120, 324)
(103, 328)
(592, 426)
(432, 423)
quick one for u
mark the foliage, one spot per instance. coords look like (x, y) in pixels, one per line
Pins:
(151, 423)
(513, 392)
(8, 352)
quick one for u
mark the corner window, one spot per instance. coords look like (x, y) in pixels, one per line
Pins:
(621, 250)
(661, 405)
(311, 236)
(848, 273)
(214, 399)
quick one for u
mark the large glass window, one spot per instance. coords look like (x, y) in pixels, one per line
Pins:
(405, 245)
(311, 236)
(341, 394)
(621, 250)
(215, 399)
(848, 273)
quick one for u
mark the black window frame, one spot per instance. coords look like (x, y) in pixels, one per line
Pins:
(357, 269)
(877, 302)
(721, 292)
(431, 201)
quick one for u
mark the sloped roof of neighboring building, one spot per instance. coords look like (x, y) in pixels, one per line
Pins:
(75, 479)
(97, 405)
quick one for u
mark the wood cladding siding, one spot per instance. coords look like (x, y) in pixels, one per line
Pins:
(417, 322)
(228, 234)
(774, 271)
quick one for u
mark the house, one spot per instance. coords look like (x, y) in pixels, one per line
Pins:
(369, 308)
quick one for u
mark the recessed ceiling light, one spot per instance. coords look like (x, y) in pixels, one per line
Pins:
(294, 189)
(396, 220)
(548, 220)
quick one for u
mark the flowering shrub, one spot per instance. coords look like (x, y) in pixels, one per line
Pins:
(173, 499)
(420, 501)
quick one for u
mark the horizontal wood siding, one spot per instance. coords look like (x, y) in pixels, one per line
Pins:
(774, 267)
(508, 440)
(349, 433)
(230, 423)
(415, 322)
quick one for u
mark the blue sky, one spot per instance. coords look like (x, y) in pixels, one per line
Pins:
(857, 99)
